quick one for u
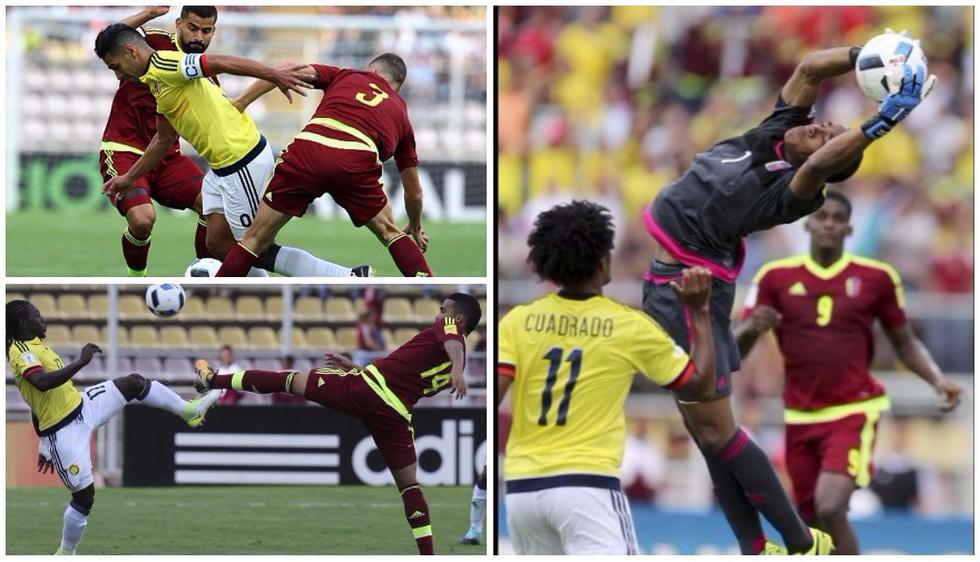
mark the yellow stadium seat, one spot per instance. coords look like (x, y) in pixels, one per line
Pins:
(220, 308)
(398, 309)
(194, 309)
(45, 305)
(426, 310)
(389, 337)
(346, 338)
(299, 339)
(122, 335)
(86, 333)
(402, 335)
(173, 337)
(273, 307)
(14, 296)
(203, 337)
(249, 308)
(483, 312)
(233, 336)
(144, 337)
(133, 307)
(72, 306)
(340, 309)
(263, 338)
(98, 305)
(308, 308)
(321, 339)
(58, 334)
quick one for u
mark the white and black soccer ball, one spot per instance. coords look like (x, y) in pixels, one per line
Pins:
(165, 300)
(203, 267)
(882, 55)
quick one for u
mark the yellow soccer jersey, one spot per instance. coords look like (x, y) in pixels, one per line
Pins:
(51, 406)
(198, 109)
(573, 361)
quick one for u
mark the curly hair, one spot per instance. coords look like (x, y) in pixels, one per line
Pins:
(568, 242)
(16, 311)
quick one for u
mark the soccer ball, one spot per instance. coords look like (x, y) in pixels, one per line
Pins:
(165, 300)
(881, 55)
(204, 267)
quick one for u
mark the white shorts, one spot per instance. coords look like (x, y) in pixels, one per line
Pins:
(237, 195)
(70, 446)
(571, 520)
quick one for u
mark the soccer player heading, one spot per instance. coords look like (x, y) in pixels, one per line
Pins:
(822, 307)
(65, 418)
(361, 121)
(382, 394)
(570, 358)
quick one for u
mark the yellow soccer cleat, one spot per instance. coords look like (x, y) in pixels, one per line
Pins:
(204, 373)
(822, 543)
(62, 552)
(198, 408)
(773, 549)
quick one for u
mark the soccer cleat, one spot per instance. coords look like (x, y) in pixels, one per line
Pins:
(471, 537)
(62, 551)
(773, 549)
(362, 271)
(136, 272)
(204, 373)
(822, 543)
(198, 408)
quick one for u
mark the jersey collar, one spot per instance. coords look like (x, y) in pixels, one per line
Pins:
(828, 272)
(576, 295)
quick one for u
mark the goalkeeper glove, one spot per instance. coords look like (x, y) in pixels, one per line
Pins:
(905, 94)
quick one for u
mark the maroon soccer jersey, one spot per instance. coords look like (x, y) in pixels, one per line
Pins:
(825, 332)
(365, 101)
(133, 117)
(421, 366)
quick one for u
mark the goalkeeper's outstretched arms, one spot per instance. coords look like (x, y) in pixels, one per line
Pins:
(803, 86)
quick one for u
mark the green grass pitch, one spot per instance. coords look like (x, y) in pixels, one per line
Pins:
(239, 520)
(48, 244)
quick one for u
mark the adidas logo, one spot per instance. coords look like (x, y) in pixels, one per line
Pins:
(798, 289)
(416, 515)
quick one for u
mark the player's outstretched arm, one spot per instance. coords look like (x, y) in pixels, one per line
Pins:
(259, 88)
(413, 206)
(804, 85)
(286, 79)
(916, 357)
(747, 332)
(52, 379)
(457, 355)
(145, 15)
(835, 156)
(695, 290)
(155, 152)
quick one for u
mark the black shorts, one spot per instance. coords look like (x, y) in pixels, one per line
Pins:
(661, 303)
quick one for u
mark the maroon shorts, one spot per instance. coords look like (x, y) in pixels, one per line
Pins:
(392, 433)
(843, 446)
(306, 170)
(175, 183)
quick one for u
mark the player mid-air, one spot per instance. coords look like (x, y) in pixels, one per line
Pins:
(65, 417)
(570, 358)
(361, 122)
(382, 394)
(195, 108)
(773, 174)
(822, 307)
(176, 181)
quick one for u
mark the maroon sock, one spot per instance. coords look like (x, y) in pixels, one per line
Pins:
(135, 251)
(237, 263)
(408, 257)
(201, 239)
(255, 380)
(417, 513)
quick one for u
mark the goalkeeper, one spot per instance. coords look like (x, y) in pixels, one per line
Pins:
(773, 174)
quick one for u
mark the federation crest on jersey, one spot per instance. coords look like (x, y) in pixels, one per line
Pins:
(450, 326)
(29, 357)
(852, 287)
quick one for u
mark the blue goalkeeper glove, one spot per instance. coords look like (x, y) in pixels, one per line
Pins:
(905, 94)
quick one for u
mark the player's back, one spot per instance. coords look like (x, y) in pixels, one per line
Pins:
(365, 101)
(573, 362)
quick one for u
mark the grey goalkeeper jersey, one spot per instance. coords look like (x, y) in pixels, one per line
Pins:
(738, 186)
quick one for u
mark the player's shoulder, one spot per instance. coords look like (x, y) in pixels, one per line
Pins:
(775, 267)
(875, 267)
(165, 60)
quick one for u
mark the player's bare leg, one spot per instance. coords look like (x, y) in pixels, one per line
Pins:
(416, 508)
(136, 239)
(201, 233)
(729, 448)
(833, 495)
(403, 249)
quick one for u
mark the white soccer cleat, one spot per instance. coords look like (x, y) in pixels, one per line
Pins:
(198, 407)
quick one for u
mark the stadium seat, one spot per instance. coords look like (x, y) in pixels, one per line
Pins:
(273, 307)
(308, 308)
(426, 310)
(268, 364)
(299, 339)
(263, 338)
(73, 307)
(401, 336)
(340, 309)
(98, 306)
(122, 335)
(389, 337)
(203, 337)
(249, 308)
(149, 367)
(398, 309)
(483, 312)
(346, 338)
(194, 309)
(144, 337)
(233, 336)
(87, 333)
(220, 308)
(133, 307)
(58, 335)
(45, 305)
(14, 296)
(322, 339)
(177, 368)
(174, 337)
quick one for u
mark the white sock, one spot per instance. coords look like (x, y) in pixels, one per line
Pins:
(72, 531)
(478, 508)
(300, 263)
(163, 398)
(257, 272)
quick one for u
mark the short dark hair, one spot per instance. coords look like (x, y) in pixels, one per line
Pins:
(392, 65)
(112, 38)
(833, 194)
(470, 307)
(205, 12)
(846, 172)
(568, 242)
